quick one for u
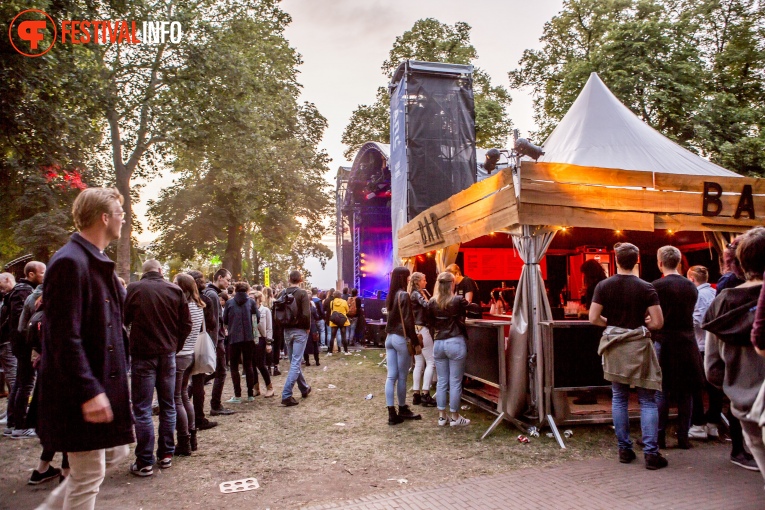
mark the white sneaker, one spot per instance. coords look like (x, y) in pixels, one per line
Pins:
(4, 418)
(459, 422)
(712, 430)
(442, 421)
(23, 434)
(697, 432)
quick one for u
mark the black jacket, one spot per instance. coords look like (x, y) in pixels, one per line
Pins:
(158, 315)
(402, 323)
(420, 307)
(217, 334)
(84, 351)
(303, 305)
(450, 321)
(238, 317)
(15, 305)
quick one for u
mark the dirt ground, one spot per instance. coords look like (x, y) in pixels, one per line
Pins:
(302, 455)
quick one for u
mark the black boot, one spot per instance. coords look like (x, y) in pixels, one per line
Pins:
(407, 414)
(183, 448)
(416, 399)
(428, 401)
(393, 417)
(193, 440)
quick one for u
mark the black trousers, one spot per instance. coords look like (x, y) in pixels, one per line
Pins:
(342, 336)
(259, 361)
(245, 351)
(219, 375)
(22, 388)
(198, 396)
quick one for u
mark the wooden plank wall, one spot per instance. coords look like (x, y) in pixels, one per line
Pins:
(574, 196)
(484, 207)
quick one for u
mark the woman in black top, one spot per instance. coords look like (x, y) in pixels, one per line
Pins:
(400, 326)
(447, 317)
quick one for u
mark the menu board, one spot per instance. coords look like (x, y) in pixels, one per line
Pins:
(495, 264)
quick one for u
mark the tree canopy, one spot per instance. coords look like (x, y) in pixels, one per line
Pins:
(695, 71)
(432, 41)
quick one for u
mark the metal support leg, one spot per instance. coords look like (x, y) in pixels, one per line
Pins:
(555, 432)
(493, 425)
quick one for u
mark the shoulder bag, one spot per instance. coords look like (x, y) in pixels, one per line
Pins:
(413, 350)
(205, 355)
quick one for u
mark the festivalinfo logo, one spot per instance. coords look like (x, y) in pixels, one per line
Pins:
(33, 32)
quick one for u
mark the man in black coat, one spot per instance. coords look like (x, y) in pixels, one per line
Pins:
(158, 316)
(84, 400)
(221, 281)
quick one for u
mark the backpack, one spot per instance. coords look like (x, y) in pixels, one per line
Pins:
(286, 310)
(352, 307)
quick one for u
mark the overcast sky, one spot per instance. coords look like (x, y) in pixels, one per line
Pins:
(344, 43)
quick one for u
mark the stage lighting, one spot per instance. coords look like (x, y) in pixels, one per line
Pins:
(525, 148)
(492, 158)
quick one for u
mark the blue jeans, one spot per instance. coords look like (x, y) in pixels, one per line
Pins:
(352, 330)
(449, 356)
(649, 416)
(295, 340)
(321, 327)
(145, 375)
(399, 360)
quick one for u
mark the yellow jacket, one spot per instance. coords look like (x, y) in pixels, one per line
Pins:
(340, 305)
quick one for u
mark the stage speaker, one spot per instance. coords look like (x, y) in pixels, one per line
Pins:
(432, 136)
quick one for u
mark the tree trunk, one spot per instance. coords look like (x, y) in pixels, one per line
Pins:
(232, 258)
(256, 278)
(123, 245)
(247, 252)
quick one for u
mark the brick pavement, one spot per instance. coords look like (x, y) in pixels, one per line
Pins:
(701, 478)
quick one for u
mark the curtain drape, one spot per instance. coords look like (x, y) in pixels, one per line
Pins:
(524, 355)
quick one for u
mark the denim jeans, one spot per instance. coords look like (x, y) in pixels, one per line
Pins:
(649, 416)
(322, 328)
(352, 330)
(399, 361)
(147, 374)
(184, 411)
(449, 355)
(295, 340)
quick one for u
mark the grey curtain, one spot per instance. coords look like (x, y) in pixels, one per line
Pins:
(524, 355)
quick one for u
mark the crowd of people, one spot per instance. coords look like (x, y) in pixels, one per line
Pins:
(84, 354)
(676, 338)
(93, 353)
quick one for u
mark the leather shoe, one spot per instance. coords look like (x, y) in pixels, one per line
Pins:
(306, 393)
(221, 412)
(205, 424)
(289, 402)
(276, 371)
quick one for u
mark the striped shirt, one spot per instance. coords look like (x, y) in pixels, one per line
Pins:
(197, 318)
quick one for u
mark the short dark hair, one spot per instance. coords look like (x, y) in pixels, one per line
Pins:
(751, 253)
(354, 292)
(295, 276)
(314, 291)
(222, 272)
(345, 290)
(626, 255)
(669, 256)
(241, 286)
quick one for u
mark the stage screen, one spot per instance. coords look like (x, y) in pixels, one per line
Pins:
(375, 253)
(495, 264)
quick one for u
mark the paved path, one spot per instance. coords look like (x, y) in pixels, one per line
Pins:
(701, 478)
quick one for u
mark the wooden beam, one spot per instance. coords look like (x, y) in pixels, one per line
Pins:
(686, 222)
(537, 214)
(575, 174)
(695, 183)
(625, 199)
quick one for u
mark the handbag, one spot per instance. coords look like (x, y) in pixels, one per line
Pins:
(205, 355)
(338, 319)
(413, 350)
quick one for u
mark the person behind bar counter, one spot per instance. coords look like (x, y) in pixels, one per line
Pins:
(446, 313)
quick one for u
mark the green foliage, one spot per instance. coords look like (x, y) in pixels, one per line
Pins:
(695, 71)
(250, 174)
(432, 41)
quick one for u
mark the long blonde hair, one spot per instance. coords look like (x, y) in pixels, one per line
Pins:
(443, 292)
(268, 297)
(414, 282)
